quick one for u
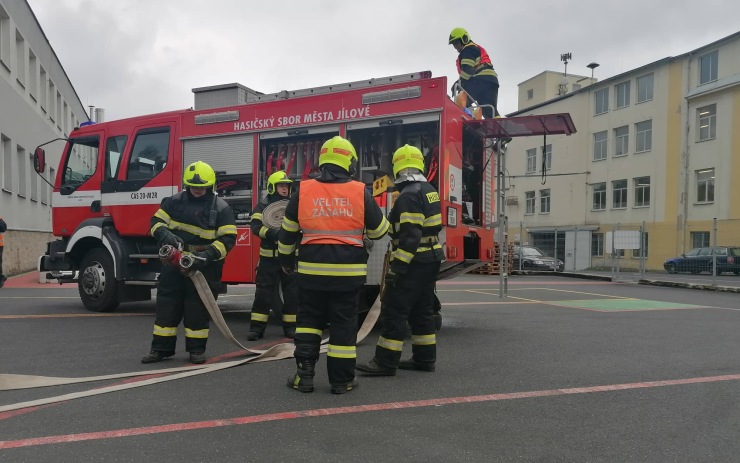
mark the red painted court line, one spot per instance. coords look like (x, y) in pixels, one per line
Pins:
(575, 282)
(31, 442)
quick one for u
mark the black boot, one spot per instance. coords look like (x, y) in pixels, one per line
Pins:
(255, 335)
(373, 368)
(289, 331)
(412, 364)
(156, 356)
(346, 387)
(197, 357)
(302, 380)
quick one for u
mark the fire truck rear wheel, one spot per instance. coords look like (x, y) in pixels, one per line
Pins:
(97, 284)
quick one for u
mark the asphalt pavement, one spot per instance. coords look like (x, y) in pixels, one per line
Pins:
(562, 369)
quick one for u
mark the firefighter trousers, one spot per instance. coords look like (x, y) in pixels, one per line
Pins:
(269, 276)
(485, 92)
(338, 309)
(410, 301)
(177, 298)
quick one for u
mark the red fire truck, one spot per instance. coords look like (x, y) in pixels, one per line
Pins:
(113, 175)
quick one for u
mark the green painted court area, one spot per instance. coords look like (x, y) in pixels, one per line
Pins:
(615, 305)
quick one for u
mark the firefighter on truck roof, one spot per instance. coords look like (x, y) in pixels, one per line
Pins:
(409, 284)
(269, 273)
(477, 76)
(201, 223)
(329, 215)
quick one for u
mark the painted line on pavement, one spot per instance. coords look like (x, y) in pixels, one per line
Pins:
(74, 315)
(209, 424)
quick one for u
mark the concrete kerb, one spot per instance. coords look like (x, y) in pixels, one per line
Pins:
(671, 284)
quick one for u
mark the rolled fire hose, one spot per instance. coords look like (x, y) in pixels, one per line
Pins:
(276, 352)
(272, 215)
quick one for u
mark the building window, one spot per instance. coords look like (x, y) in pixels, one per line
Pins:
(621, 140)
(643, 136)
(547, 157)
(33, 75)
(599, 196)
(708, 67)
(622, 94)
(20, 59)
(530, 199)
(34, 180)
(597, 244)
(532, 160)
(705, 186)
(619, 194)
(4, 38)
(51, 94)
(52, 178)
(21, 160)
(699, 239)
(642, 191)
(601, 101)
(7, 163)
(545, 201)
(42, 88)
(530, 94)
(707, 117)
(644, 245)
(59, 111)
(645, 88)
(600, 140)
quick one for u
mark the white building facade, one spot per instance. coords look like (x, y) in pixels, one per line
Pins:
(37, 104)
(657, 149)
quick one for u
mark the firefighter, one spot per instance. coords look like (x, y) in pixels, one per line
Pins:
(199, 222)
(477, 76)
(409, 283)
(3, 229)
(269, 273)
(329, 214)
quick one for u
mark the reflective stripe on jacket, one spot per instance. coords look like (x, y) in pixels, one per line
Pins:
(473, 61)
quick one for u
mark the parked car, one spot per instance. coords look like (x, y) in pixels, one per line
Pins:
(700, 260)
(533, 258)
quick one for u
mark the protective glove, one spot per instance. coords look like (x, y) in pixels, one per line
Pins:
(166, 237)
(203, 258)
(455, 87)
(272, 234)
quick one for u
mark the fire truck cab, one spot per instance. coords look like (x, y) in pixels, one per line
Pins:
(113, 175)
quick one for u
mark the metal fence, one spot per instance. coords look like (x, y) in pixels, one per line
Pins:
(630, 251)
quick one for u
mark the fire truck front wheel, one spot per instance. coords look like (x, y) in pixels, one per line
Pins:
(97, 284)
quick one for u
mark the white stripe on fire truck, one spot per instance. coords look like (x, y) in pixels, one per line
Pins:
(150, 195)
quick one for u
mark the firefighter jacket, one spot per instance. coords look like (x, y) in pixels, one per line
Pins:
(329, 215)
(268, 236)
(3, 229)
(203, 223)
(473, 64)
(416, 220)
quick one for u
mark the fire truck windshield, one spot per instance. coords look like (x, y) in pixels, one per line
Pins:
(82, 161)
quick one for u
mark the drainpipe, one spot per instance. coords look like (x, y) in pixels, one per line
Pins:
(685, 157)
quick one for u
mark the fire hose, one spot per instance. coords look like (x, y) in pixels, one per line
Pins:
(185, 261)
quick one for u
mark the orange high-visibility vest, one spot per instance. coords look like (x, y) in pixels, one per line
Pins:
(332, 213)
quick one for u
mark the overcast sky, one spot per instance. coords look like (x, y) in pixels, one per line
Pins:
(134, 57)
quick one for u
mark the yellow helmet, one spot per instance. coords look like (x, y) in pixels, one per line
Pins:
(338, 151)
(199, 174)
(460, 34)
(407, 156)
(278, 177)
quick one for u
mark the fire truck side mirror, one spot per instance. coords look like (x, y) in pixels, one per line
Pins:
(39, 160)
